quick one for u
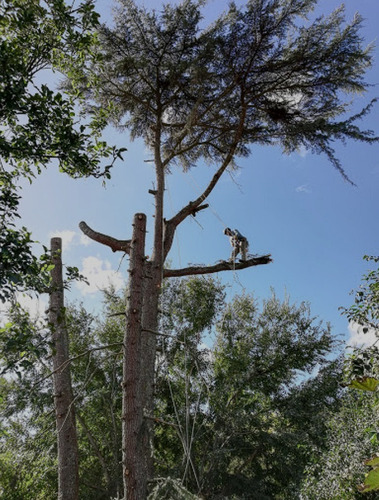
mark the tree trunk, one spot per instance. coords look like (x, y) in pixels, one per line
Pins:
(68, 476)
(133, 422)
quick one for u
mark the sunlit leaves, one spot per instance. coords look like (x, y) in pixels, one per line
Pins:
(38, 124)
(364, 384)
(372, 478)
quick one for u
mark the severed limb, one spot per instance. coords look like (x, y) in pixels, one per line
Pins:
(113, 243)
(224, 265)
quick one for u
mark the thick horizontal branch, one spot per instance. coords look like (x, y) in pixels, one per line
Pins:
(113, 243)
(224, 265)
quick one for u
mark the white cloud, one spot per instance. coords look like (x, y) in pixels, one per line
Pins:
(360, 339)
(84, 240)
(100, 275)
(67, 238)
(303, 189)
(302, 151)
(36, 306)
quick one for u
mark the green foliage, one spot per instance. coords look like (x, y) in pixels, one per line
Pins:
(256, 75)
(365, 310)
(19, 268)
(37, 123)
(372, 477)
(22, 341)
(167, 489)
(242, 416)
(339, 467)
(27, 408)
(361, 365)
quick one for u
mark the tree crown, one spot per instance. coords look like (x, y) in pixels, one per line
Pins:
(256, 75)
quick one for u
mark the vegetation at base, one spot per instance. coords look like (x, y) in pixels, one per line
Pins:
(237, 416)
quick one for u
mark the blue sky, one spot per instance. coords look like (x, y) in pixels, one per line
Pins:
(298, 208)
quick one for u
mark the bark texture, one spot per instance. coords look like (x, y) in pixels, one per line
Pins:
(133, 422)
(68, 476)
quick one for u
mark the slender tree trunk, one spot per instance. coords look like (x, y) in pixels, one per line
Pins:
(68, 476)
(133, 428)
(149, 340)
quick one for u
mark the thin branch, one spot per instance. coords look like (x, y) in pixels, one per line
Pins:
(113, 243)
(160, 421)
(162, 334)
(68, 361)
(224, 265)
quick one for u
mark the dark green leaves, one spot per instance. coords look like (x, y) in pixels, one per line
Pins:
(20, 269)
(38, 124)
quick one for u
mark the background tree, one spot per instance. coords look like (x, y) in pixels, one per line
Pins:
(226, 417)
(338, 468)
(28, 422)
(352, 436)
(247, 398)
(256, 76)
(39, 125)
(365, 310)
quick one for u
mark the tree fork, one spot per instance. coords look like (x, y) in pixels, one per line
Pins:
(135, 474)
(68, 475)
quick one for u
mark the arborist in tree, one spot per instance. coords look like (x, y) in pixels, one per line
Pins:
(238, 242)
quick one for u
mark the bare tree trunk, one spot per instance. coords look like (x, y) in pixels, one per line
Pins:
(133, 421)
(142, 322)
(149, 343)
(68, 476)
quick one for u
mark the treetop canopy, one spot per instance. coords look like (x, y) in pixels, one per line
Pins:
(258, 74)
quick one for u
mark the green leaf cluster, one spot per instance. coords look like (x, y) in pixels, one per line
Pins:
(37, 123)
(20, 269)
(365, 310)
(241, 416)
(339, 467)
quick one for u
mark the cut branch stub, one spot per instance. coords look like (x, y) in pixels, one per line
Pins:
(104, 239)
(224, 265)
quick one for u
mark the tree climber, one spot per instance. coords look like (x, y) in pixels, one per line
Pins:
(238, 242)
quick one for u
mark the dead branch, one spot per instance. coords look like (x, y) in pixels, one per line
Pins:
(225, 265)
(104, 239)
